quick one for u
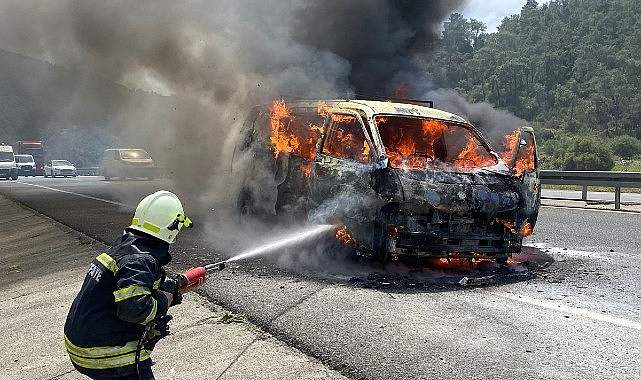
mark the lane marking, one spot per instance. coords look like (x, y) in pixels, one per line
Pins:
(619, 321)
(77, 194)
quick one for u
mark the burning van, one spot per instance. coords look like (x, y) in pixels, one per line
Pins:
(402, 179)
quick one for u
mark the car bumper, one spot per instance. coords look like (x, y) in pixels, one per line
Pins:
(64, 172)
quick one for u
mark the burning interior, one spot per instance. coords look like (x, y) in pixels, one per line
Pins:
(403, 179)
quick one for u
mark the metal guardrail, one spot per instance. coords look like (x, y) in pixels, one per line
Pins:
(88, 171)
(617, 180)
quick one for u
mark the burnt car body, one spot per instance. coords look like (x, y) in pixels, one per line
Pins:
(403, 179)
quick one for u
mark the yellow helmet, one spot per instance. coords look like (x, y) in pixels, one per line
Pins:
(160, 215)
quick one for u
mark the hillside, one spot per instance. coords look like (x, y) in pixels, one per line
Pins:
(570, 67)
(74, 112)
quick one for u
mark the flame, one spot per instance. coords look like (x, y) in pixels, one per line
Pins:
(402, 91)
(525, 157)
(417, 144)
(527, 229)
(291, 133)
(343, 236)
(507, 224)
(509, 145)
(281, 141)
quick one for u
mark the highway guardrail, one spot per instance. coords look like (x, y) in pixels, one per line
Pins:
(617, 180)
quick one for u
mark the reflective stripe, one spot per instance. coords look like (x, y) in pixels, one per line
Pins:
(130, 291)
(108, 262)
(145, 225)
(105, 357)
(157, 283)
(150, 227)
(152, 314)
(137, 290)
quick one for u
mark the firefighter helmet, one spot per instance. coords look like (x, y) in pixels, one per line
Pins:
(160, 215)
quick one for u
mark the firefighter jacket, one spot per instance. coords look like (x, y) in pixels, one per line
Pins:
(118, 298)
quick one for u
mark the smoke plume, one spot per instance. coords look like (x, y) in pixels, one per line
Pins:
(212, 60)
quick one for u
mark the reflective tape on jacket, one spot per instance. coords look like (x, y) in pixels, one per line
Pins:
(130, 291)
(108, 262)
(105, 357)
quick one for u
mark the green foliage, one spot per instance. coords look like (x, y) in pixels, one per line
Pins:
(572, 67)
(625, 146)
(586, 153)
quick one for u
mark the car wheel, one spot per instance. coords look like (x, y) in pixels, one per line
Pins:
(245, 205)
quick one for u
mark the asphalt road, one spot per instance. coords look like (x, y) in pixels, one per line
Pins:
(569, 307)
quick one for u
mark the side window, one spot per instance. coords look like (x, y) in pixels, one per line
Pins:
(346, 139)
(526, 157)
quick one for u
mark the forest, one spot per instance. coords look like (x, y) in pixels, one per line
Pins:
(571, 68)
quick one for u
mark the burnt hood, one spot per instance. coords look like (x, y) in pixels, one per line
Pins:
(476, 191)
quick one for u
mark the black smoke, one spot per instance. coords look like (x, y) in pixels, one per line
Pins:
(209, 61)
(383, 40)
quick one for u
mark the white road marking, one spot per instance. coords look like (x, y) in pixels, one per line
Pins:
(77, 194)
(622, 322)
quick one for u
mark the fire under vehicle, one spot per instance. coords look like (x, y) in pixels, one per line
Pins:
(403, 179)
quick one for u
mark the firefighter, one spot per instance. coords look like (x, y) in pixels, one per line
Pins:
(121, 310)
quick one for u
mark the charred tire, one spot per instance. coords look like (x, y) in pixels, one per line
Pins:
(379, 248)
(245, 204)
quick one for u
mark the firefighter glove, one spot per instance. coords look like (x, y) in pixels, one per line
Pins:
(171, 286)
(159, 329)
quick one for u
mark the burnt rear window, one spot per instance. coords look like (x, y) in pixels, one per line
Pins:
(294, 131)
(416, 144)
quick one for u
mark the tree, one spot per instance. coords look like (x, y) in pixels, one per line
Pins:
(625, 146)
(587, 153)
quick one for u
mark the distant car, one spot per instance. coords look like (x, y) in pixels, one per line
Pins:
(127, 163)
(61, 168)
(26, 165)
(8, 168)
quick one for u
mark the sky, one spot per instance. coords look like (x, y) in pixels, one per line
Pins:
(492, 12)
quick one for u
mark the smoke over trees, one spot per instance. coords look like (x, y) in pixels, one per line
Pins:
(218, 58)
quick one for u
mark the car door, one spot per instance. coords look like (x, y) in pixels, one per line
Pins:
(524, 164)
(343, 160)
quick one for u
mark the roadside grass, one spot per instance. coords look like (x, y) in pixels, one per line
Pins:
(591, 188)
(627, 166)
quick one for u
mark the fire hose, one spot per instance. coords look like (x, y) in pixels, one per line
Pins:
(187, 281)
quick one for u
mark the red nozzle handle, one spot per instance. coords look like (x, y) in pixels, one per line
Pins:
(192, 279)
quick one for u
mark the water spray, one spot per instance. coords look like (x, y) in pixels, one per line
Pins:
(194, 278)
